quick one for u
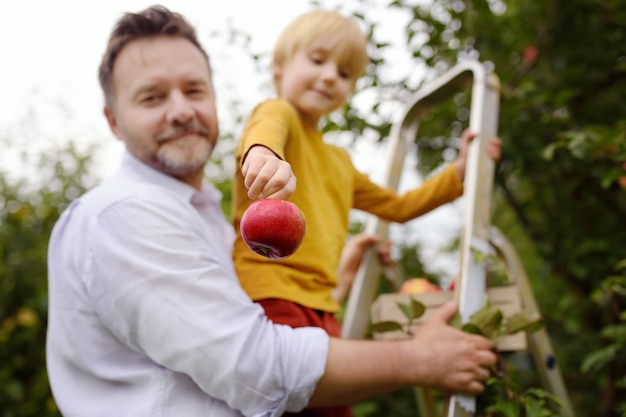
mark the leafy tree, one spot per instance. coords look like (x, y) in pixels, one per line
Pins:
(562, 71)
(28, 212)
(562, 66)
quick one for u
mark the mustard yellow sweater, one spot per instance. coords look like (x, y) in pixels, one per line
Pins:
(328, 187)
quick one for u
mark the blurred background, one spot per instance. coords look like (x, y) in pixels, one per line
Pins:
(559, 191)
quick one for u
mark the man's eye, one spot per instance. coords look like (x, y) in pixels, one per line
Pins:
(151, 98)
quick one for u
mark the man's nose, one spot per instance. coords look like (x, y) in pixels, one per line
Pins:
(180, 109)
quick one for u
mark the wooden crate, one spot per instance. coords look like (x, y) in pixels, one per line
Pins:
(507, 299)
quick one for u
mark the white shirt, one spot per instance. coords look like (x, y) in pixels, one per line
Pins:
(147, 318)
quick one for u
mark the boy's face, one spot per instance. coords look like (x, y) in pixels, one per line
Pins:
(314, 80)
(164, 107)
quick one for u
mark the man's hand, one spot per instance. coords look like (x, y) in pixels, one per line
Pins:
(438, 356)
(494, 150)
(450, 359)
(266, 175)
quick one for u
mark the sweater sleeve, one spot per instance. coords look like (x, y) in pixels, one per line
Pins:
(385, 203)
(269, 125)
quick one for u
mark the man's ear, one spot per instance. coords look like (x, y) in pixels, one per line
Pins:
(112, 120)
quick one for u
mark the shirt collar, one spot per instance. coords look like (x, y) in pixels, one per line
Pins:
(207, 195)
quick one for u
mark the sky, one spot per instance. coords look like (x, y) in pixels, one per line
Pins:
(49, 94)
(51, 51)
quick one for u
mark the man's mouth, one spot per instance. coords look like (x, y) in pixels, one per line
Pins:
(180, 133)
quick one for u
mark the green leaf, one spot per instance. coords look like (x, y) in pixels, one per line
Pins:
(534, 407)
(543, 394)
(522, 322)
(455, 321)
(406, 310)
(548, 152)
(488, 319)
(503, 407)
(599, 358)
(386, 326)
(621, 264)
(417, 308)
(471, 328)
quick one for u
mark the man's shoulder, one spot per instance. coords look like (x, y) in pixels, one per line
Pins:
(118, 189)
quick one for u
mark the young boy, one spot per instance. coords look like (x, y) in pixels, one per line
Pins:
(316, 63)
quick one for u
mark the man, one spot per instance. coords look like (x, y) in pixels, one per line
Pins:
(146, 314)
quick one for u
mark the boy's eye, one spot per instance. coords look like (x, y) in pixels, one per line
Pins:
(316, 58)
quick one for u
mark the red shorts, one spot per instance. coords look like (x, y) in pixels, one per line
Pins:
(295, 315)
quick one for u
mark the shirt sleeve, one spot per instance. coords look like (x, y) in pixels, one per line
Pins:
(385, 203)
(163, 283)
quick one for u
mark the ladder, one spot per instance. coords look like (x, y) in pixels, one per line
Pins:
(477, 231)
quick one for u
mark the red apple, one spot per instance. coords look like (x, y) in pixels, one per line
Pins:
(273, 228)
(418, 286)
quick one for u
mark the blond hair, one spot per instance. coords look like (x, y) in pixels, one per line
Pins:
(350, 42)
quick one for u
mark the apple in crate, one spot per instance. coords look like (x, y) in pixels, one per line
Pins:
(273, 228)
(418, 286)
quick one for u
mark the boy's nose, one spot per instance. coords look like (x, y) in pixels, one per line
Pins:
(330, 73)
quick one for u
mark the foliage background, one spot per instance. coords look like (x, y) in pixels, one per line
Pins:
(562, 66)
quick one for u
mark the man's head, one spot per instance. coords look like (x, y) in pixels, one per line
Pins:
(159, 97)
(317, 61)
(152, 22)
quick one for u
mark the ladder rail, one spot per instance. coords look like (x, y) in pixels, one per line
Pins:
(477, 233)
(478, 181)
(539, 342)
(478, 187)
(403, 133)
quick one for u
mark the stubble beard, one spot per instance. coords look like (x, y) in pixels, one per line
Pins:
(184, 157)
(187, 155)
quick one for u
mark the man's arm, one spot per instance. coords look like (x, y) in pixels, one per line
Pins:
(439, 356)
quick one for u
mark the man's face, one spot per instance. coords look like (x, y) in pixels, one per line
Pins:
(164, 108)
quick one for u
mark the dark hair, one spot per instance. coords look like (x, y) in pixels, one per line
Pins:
(151, 22)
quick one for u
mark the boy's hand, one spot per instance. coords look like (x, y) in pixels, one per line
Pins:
(493, 150)
(266, 175)
(351, 258)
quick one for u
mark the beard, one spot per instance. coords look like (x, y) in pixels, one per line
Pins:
(184, 150)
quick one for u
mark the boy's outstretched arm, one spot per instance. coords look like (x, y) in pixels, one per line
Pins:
(266, 175)
(493, 150)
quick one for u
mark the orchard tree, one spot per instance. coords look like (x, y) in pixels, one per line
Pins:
(28, 210)
(562, 67)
